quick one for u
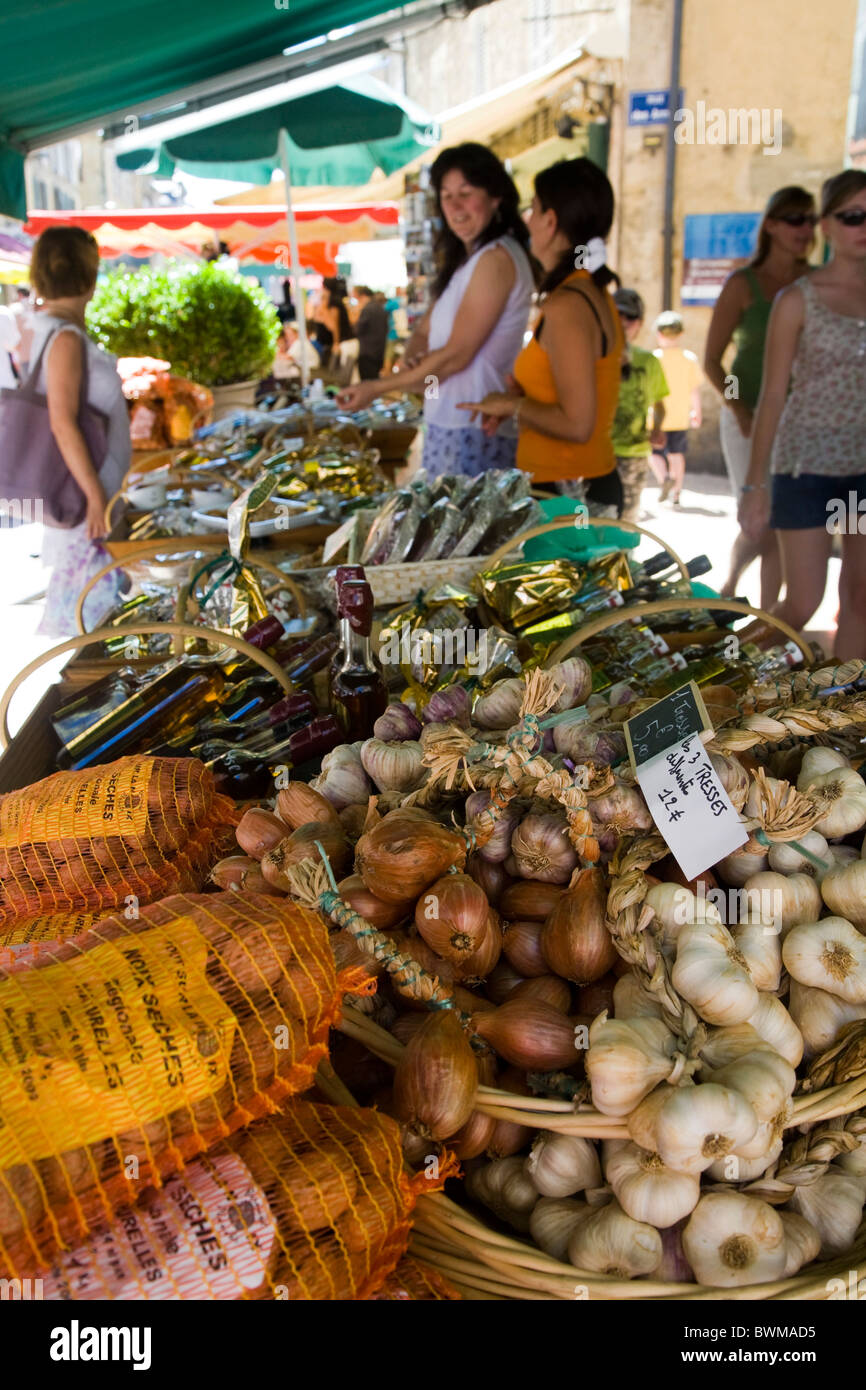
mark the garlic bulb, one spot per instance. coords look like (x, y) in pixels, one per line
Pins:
(840, 855)
(542, 849)
(342, 778)
(585, 742)
(503, 1186)
(732, 1239)
(841, 795)
(735, 1167)
(833, 1204)
(562, 1164)
(630, 999)
(750, 858)
(763, 1078)
(622, 808)
(816, 761)
(626, 1059)
(676, 907)
(498, 847)
(645, 1188)
(395, 767)
(452, 705)
(855, 1161)
(780, 901)
(775, 1025)
(397, 723)
(785, 859)
(553, 1222)
(802, 1242)
(733, 777)
(820, 1016)
(575, 674)
(830, 955)
(699, 1124)
(500, 707)
(610, 1242)
(844, 891)
(643, 1120)
(761, 949)
(674, 1268)
(724, 1045)
(711, 974)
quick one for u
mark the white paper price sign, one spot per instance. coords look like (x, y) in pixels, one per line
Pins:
(690, 807)
(688, 803)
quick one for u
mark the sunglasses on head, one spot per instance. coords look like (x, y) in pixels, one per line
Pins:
(851, 217)
(798, 219)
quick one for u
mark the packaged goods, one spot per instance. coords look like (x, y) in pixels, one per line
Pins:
(139, 1045)
(130, 831)
(311, 1203)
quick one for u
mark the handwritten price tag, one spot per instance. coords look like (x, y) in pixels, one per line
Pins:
(690, 807)
(666, 723)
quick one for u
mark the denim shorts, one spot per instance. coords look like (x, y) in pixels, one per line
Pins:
(812, 501)
(676, 442)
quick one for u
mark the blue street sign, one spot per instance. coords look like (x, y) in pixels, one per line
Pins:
(650, 108)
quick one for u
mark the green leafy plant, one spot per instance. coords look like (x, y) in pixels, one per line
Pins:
(211, 325)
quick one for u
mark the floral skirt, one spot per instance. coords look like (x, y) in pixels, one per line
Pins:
(74, 560)
(468, 451)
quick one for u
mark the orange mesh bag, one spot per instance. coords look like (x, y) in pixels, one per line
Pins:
(139, 1045)
(312, 1203)
(413, 1281)
(90, 840)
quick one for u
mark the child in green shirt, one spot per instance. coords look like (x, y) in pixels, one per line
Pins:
(643, 386)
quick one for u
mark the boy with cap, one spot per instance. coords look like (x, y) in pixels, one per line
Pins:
(683, 410)
(641, 391)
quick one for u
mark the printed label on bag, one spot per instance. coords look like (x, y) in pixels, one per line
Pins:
(78, 805)
(690, 807)
(118, 1037)
(207, 1235)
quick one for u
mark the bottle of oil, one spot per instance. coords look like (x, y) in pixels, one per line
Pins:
(358, 692)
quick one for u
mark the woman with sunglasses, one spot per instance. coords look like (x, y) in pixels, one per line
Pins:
(741, 314)
(566, 380)
(811, 423)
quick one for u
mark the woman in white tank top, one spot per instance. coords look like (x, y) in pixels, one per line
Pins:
(469, 339)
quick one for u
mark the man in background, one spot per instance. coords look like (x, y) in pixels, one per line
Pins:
(371, 330)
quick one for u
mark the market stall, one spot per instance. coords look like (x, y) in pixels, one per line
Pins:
(495, 861)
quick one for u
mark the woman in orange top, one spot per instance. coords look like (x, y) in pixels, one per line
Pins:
(566, 380)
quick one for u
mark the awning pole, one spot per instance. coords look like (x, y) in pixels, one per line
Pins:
(298, 297)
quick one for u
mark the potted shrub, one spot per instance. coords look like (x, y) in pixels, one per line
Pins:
(212, 326)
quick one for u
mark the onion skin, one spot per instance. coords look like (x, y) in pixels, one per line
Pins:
(298, 804)
(381, 915)
(593, 998)
(484, 959)
(401, 856)
(491, 878)
(501, 981)
(529, 1034)
(521, 947)
(526, 901)
(575, 941)
(508, 1137)
(472, 1139)
(436, 1078)
(453, 916)
(548, 989)
(259, 831)
(299, 846)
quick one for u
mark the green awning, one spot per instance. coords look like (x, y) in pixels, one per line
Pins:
(337, 136)
(69, 62)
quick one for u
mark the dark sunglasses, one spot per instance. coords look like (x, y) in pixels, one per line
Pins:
(851, 217)
(798, 219)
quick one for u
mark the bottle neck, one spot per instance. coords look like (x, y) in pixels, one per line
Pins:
(357, 650)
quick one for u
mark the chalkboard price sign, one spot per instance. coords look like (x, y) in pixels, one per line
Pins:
(665, 724)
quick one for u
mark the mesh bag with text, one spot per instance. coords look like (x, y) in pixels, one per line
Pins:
(78, 843)
(139, 1045)
(308, 1204)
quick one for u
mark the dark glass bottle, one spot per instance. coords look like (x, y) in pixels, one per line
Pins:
(344, 574)
(358, 692)
(247, 773)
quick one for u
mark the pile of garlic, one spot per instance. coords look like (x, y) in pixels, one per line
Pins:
(707, 1121)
